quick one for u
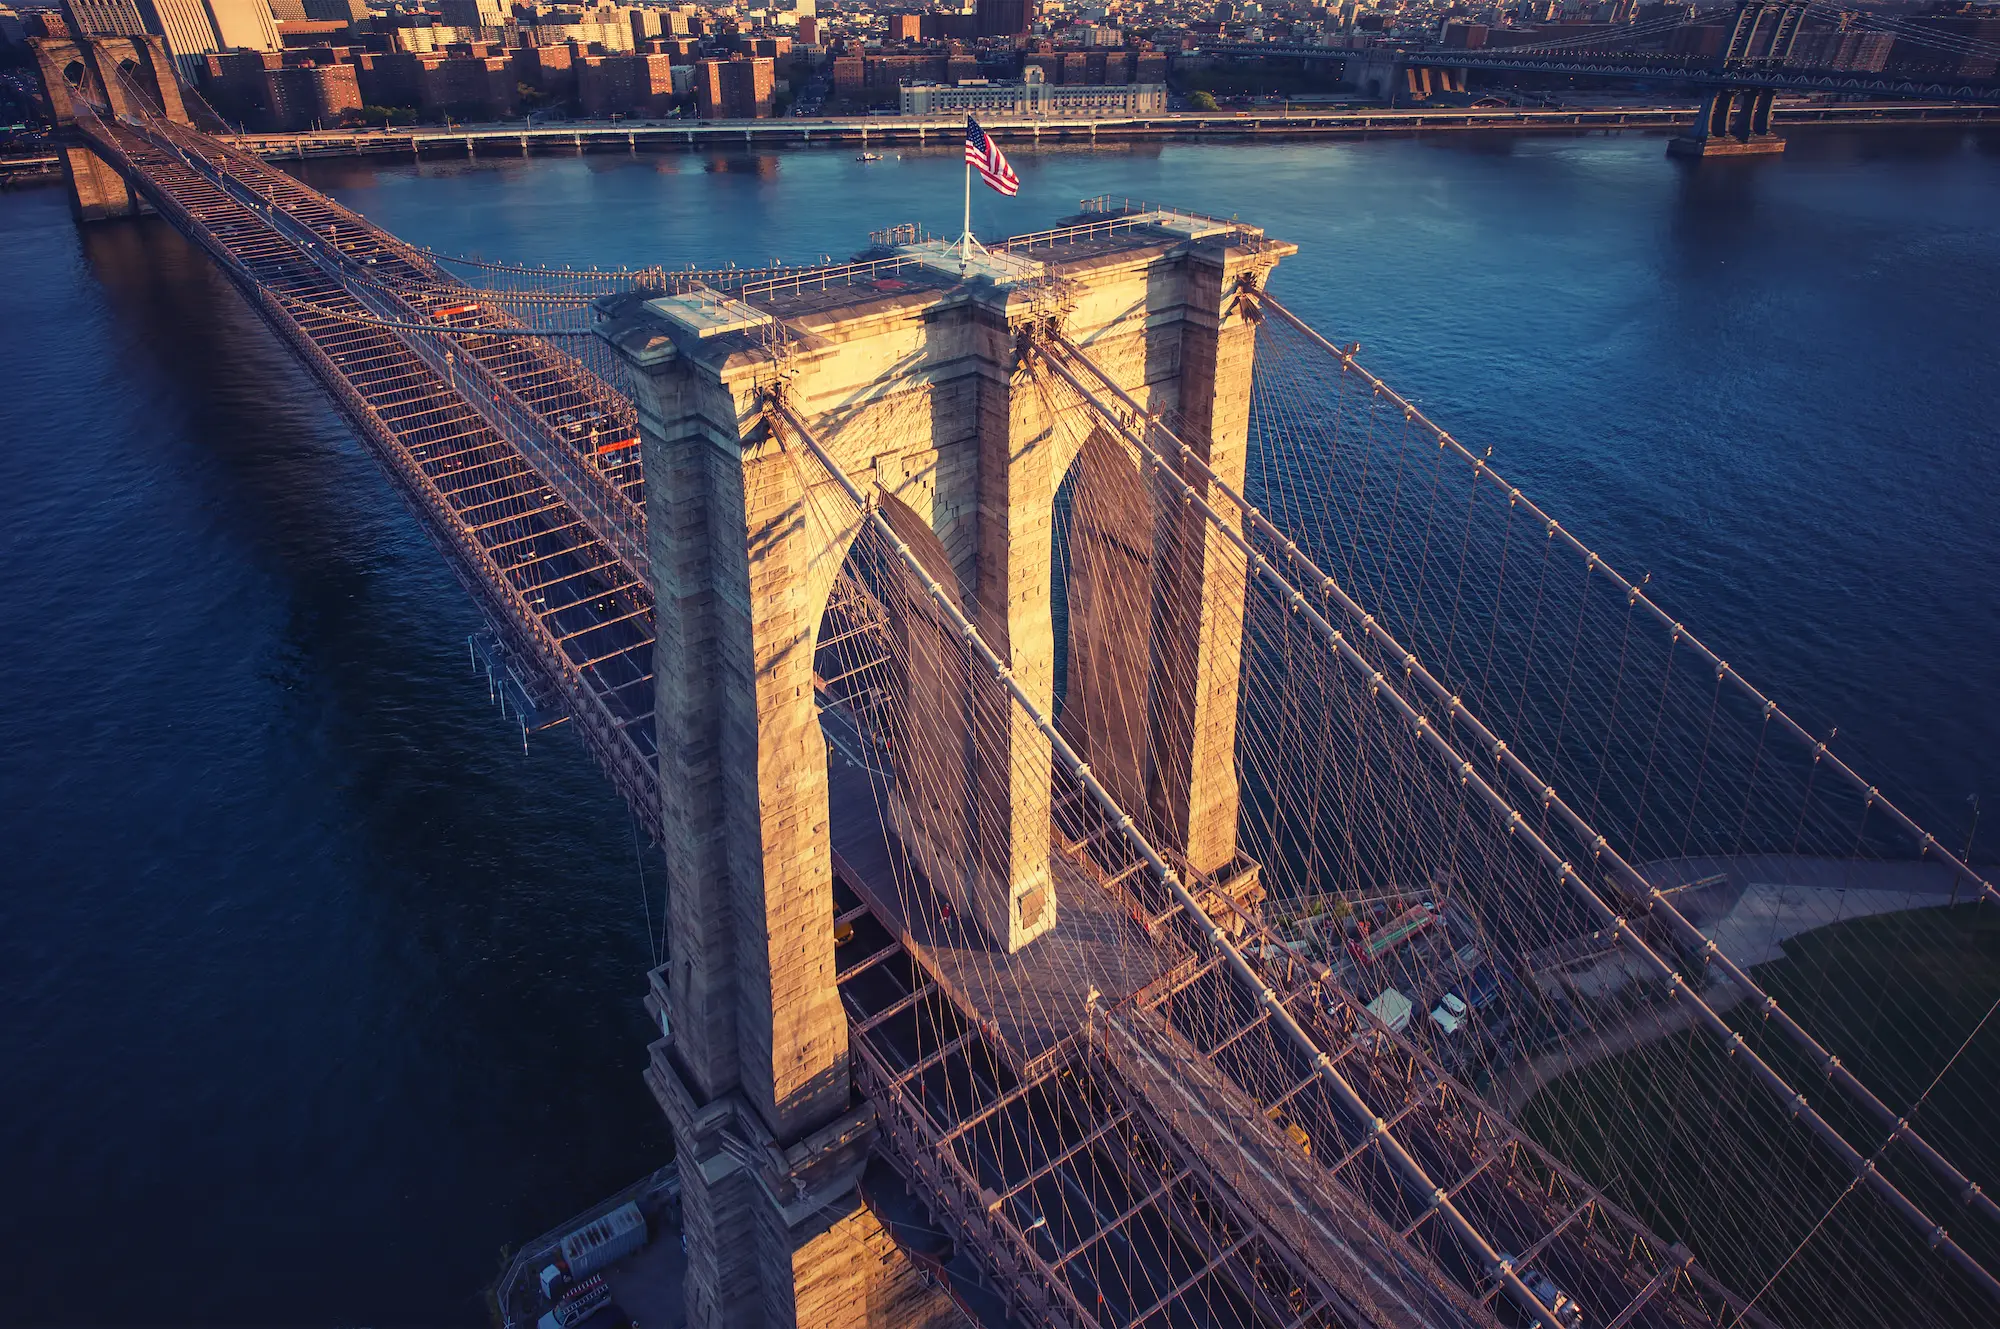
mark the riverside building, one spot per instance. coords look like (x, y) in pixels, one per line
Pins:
(1034, 97)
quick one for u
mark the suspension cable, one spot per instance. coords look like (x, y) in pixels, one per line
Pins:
(1405, 1163)
(1617, 924)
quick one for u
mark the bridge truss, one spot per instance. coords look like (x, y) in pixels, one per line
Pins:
(1760, 54)
(1187, 1105)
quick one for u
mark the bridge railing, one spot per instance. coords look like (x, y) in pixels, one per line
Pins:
(918, 1142)
(487, 582)
(820, 278)
(476, 569)
(612, 517)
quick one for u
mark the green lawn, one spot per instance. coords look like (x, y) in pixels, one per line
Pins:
(1683, 1137)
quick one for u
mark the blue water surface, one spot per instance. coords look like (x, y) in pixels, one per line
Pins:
(318, 989)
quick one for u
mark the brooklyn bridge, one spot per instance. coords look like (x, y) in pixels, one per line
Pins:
(1122, 763)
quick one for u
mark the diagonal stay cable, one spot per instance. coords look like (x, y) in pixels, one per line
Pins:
(1657, 902)
(1933, 1232)
(1405, 1163)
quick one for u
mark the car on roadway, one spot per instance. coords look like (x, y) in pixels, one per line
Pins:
(1568, 1314)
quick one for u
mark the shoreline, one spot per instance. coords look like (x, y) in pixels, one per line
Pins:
(29, 169)
(574, 138)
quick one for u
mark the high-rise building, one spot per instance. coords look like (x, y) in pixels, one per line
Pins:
(735, 89)
(549, 70)
(244, 25)
(232, 82)
(289, 11)
(1003, 18)
(389, 78)
(188, 28)
(104, 18)
(646, 25)
(624, 84)
(337, 11)
(470, 13)
(192, 28)
(468, 87)
(302, 96)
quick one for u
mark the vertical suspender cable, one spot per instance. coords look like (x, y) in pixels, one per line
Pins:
(1793, 1101)
(1963, 1186)
(1412, 1172)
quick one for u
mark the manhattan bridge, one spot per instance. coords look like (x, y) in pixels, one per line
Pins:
(1124, 765)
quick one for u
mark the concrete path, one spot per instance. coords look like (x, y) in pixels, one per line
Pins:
(1749, 905)
(1765, 899)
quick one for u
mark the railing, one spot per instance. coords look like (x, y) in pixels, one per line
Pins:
(664, 1182)
(1123, 216)
(844, 274)
(611, 516)
(848, 274)
(473, 565)
(1106, 205)
(1032, 1284)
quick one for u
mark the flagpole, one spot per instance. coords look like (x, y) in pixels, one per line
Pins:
(965, 235)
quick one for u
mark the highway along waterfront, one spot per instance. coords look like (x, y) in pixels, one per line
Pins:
(320, 990)
(1283, 122)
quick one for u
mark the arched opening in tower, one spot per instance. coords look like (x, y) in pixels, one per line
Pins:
(1101, 589)
(891, 682)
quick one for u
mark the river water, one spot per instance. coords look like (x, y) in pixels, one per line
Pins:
(318, 990)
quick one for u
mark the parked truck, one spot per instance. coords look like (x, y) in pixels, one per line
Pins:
(1399, 930)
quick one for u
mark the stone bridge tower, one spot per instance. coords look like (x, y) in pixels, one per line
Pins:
(77, 72)
(915, 379)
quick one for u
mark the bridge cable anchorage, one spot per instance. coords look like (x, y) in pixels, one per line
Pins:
(1411, 1171)
(1953, 1177)
(1587, 894)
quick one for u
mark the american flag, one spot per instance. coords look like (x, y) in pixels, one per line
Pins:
(984, 156)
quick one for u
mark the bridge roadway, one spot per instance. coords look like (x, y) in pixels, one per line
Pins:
(575, 619)
(1645, 66)
(1125, 1170)
(1006, 1109)
(1700, 72)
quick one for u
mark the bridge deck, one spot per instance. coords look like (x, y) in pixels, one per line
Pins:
(1207, 1030)
(995, 1088)
(1032, 1003)
(572, 616)
(1077, 1203)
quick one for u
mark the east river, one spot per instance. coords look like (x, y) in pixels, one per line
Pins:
(317, 990)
